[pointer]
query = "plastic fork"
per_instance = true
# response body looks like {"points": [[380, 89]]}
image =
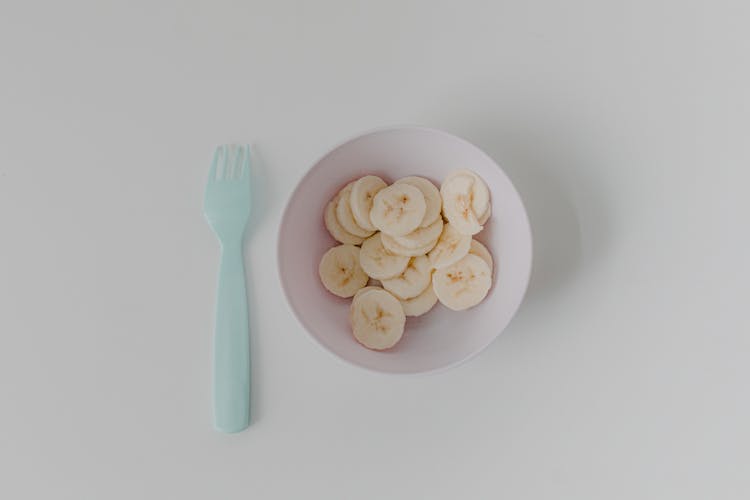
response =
{"points": [[227, 209]]}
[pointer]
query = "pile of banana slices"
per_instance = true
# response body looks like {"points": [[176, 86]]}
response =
{"points": [[416, 241]]}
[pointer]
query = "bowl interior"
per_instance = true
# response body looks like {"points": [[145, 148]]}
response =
{"points": [[440, 338]]}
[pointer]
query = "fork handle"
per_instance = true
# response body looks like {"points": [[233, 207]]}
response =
{"points": [[231, 344]]}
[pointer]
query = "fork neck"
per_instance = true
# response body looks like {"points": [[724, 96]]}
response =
{"points": [[232, 243]]}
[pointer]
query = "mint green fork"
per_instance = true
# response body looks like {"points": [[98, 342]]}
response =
{"points": [[227, 208]]}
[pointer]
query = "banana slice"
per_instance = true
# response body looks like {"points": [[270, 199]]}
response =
{"points": [[413, 281], [485, 216], [464, 284], [457, 193], [398, 209], [345, 216], [378, 262], [377, 319], [481, 251], [480, 196], [422, 236], [365, 289], [431, 197], [337, 231], [420, 304], [451, 247], [340, 271], [363, 192], [393, 246]]}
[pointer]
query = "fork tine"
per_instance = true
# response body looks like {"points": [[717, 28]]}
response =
{"points": [[227, 162], [237, 162], [246, 163], [214, 163]]}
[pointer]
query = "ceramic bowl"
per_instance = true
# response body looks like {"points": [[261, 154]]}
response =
{"points": [[441, 338]]}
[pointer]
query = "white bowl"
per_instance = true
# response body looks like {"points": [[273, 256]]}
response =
{"points": [[441, 338]]}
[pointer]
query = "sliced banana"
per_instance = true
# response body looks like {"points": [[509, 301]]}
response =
{"points": [[451, 247], [377, 319], [363, 192], [463, 284], [340, 271], [378, 262], [411, 256], [481, 251], [420, 304], [367, 288], [337, 231], [398, 209], [345, 216], [413, 281], [421, 236], [397, 248], [431, 197], [485, 216], [457, 193], [480, 195]]}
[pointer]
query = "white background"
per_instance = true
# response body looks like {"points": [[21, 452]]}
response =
{"points": [[624, 125]]}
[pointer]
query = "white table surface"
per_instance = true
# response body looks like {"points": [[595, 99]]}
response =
{"points": [[623, 124]]}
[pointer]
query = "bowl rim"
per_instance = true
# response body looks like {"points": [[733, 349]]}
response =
{"points": [[285, 215]]}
